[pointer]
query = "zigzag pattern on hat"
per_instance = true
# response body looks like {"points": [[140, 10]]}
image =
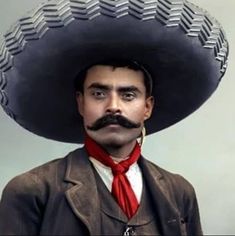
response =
{"points": [[53, 14], [3, 96], [172, 13]]}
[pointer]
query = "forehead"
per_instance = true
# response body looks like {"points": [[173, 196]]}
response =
{"points": [[114, 75]]}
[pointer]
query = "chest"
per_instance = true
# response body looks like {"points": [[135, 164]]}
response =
{"points": [[115, 222]]}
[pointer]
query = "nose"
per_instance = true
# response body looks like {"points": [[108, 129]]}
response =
{"points": [[113, 106]]}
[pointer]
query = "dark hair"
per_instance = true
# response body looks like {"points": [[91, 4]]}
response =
{"points": [[133, 65]]}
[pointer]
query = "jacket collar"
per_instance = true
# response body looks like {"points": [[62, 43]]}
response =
{"points": [[79, 172]]}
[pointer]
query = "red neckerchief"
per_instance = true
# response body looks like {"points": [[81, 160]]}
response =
{"points": [[121, 188]]}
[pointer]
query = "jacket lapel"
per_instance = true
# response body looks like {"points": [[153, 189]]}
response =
{"points": [[168, 215], [84, 200], [83, 195]]}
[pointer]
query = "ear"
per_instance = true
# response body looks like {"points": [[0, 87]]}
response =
{"points": [[80, 102], [149, 104]]}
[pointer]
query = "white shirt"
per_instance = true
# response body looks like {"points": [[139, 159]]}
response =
{"points": [[134, 176]]}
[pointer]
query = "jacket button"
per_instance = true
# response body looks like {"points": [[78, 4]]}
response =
{"points": [[172, 221]]}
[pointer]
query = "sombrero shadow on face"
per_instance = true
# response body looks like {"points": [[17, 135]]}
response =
{"points": [[182, 47]]}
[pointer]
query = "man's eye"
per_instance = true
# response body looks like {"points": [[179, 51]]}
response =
{"points": [[98, 94], [128, 96]]}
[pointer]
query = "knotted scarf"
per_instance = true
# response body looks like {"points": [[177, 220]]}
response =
{"points": [[121, 187]]}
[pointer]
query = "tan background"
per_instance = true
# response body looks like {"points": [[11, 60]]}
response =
{"points": [[201, 148]]}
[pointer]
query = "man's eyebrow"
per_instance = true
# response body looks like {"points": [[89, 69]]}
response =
{"points": [[120, 89], [99, 86], [128, 89]]}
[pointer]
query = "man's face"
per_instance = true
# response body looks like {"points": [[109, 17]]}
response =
{"points": [[109, 93]]}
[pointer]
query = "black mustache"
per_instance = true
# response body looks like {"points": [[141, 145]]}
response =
{"points": [[113, 119]]}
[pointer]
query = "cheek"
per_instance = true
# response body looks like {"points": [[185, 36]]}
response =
{"points": [[137, 112], [88, 115], [140, 111], [91, 114]]}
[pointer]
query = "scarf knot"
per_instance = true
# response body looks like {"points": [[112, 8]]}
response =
{"points": [[118, 169]]}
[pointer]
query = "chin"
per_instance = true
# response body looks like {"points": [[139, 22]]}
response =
{"points": [[112, 141]]}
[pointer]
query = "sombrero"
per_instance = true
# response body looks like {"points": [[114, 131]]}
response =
{"points": [[182, 47]]}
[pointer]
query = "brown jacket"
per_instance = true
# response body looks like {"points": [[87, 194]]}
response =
{"points": [[61, 198]]}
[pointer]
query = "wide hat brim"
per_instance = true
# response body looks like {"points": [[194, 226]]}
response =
{"points": [[183, 48]]}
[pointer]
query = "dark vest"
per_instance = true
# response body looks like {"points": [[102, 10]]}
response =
{"points": [[114, 220]]}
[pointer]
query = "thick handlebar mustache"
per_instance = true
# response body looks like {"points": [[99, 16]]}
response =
{"points": [[113, 119]]}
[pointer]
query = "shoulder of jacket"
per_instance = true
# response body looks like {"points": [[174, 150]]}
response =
{"points": [[38, 179], [174, 181]]}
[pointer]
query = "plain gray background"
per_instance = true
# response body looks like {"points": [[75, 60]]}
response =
{"points": [[201, 147]]}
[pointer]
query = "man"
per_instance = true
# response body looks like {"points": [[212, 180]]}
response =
{"points": [[107, 187], [114, 102]]}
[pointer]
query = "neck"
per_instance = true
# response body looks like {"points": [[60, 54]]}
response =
{"points": [[120, 151]]}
